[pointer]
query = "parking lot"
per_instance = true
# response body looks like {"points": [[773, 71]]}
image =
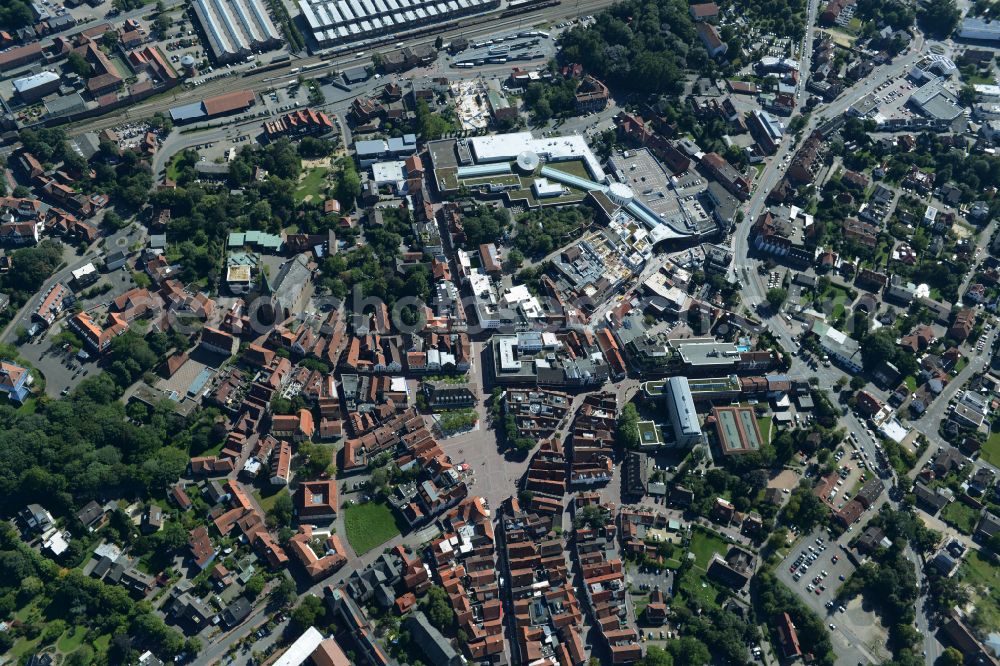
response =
{"points": [[892, 97], [815, 569]]}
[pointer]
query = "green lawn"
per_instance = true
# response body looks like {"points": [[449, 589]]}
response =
{"points": [[985, 576], [693, 584], [172, 172], [28, 406], [704, 545], [212, 451], [71, 640], [369, 525], [23, 647], [764, 424], [991, 449], [572, 167], [314, 184], [911, 383], [960, 516], [269, 495]]}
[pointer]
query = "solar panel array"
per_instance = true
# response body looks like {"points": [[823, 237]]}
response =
{"points": [[341, 21]]}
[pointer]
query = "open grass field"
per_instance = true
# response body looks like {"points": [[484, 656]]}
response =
{"points": [[71, 640], [369, 525], [694, 585], [312, 185], [704, 545]]}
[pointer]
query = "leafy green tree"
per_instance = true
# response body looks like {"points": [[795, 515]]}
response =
{"points": [[77, 64], [254, 586], [776, 296], [437, 606], [938, 18], [285, 592], [281, 511], [877, 348], [656, 656], [950, 657], [628, 427], [307, 612]]}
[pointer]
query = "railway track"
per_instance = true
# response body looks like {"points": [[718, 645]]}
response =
{"points": [[479, 25]]}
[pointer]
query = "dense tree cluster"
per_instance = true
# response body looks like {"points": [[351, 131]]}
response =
{"points": [[15, 14], [543, 230], [880, 347], [804, 509], [372, 267], [128, 182], [641, 45], [938, 18], [485, 224], [47, 144], [553, 99], [66, 598], [628, 427], [34, 266], [437, 605], [784, 18], [433, 124], [890, 585], [82, 447], [722, 631], [893, 13]]}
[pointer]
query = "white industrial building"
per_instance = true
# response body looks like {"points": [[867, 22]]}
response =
{"points": [[980, 29], [335, 22], [236, 28]]}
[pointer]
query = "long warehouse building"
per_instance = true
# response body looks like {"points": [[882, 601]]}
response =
{"points": [[236, 28], [335, 22]]}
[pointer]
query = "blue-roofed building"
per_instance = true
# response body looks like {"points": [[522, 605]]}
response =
{"points": [[680, 409], [14, 381], [370, 151], [404, 145], [187, 113], [258, 240]]}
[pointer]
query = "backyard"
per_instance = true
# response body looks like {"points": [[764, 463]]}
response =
{"points": [[705, 545], [369, 525], [960, 516], [985, 577], [991, 449]]}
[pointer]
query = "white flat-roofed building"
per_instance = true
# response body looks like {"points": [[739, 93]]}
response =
{"points": [[389, 173], [987, 93], [543, 188], [85, 275], [506, 147], [36, 86]]}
